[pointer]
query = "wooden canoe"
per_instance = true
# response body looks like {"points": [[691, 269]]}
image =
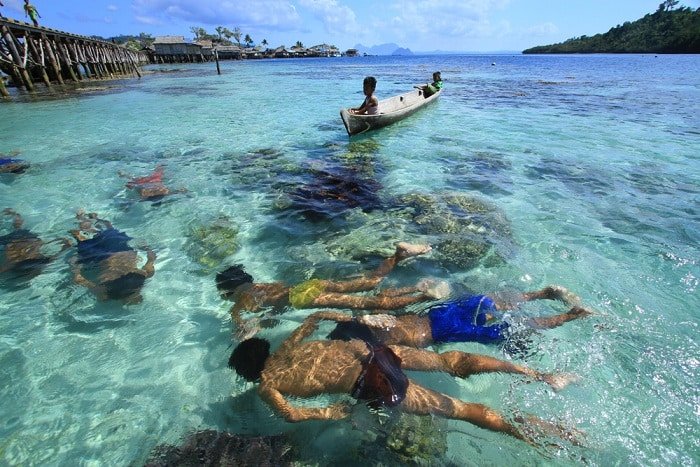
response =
{"points": [[391, 110]]}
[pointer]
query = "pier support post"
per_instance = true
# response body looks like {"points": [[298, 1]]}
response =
{"points": [[11, 43]]}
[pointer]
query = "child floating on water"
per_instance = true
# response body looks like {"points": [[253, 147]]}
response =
{"points": [[237, 285]]}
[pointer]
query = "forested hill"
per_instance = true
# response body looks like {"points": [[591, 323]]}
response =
{"points": [[667, 30]]}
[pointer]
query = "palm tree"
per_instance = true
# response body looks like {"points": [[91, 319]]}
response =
{"points": [[299, 45], [227, 34], [146, 40], [237, 35], [220, 32], [195, 30], [264, 43], [248, 41]]}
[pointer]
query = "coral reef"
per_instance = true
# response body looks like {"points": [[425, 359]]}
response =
{"points": [[214, 448], [406, 439], [211, 244]]}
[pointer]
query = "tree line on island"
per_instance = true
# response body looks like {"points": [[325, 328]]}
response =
{"points": [[223, 36], [671, 29]]}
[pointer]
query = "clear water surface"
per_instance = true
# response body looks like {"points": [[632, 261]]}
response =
{"points": [[592, 160]]}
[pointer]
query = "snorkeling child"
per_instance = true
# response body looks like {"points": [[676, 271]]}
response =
{"points": [[237, 285], [370, 106], [105, 249], [371, 372], [467, 319]]}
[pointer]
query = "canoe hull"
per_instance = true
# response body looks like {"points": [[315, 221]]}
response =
{"points": [[397, 108]]}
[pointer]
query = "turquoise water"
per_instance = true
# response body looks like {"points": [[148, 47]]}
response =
{"points": [[590, 166]]}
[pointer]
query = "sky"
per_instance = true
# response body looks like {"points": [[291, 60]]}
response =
{"points": [[420, 25]]}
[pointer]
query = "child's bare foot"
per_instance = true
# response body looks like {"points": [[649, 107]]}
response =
{"points": [[435, 289], [406, 250], [561, 380]]}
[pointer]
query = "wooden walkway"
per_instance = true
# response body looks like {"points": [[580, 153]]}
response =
{"points": [[31, 55]]}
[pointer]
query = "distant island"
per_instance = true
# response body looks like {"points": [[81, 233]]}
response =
{"points": [[668, 30], [382, 49]]}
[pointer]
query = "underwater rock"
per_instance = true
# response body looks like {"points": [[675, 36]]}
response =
{"points": [[333, 191], [466, 229], [261, 167], [408, 439], [463, 230], [214, 448], [370, 235], [211, 244]]}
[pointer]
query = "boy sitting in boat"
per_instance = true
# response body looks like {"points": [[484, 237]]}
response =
{"points": [[435, 86], [371, 104]]}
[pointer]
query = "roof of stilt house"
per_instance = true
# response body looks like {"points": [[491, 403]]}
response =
{"points": [[169, 40]]}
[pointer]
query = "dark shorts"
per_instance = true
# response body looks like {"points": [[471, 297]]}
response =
{"points": [[381, 383], [103, 245]]}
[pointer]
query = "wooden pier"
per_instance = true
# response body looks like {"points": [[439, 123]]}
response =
{"points": [[31, 55]]}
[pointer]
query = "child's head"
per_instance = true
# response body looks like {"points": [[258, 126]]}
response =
{"points": [[436, 76], [369, 84]]}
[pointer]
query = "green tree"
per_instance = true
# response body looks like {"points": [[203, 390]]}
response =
{"points": [[264, 43], [196, 31], [248, 41], [299, 45], [145, 40], [237, 35], [220, 32], [668, 5], [668, 30]]}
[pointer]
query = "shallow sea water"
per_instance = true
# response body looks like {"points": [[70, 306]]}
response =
{"points": [[592, 160]]}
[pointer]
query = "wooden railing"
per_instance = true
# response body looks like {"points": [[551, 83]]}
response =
{"points": [[30, 55]]}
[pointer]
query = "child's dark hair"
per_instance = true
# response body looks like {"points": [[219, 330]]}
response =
{"points": [[232, 277], [370, 81], [124, 286], [248, 358]]}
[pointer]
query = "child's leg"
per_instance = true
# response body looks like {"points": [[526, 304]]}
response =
{"points": [[371, 280], [377, 302]]}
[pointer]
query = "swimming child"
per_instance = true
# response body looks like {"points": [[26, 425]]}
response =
{"points": [[13, 166], [468, 319], [370, 371], [237, 285], [104, 250], [151, 187], [23, 255]]}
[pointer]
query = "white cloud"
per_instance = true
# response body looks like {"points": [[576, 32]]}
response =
{"points": [[432, 19], [149, 20], [277, 14], [544, 29], [336, 18], [443, 24], [112, 8]]}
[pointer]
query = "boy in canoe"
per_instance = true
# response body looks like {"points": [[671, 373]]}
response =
{"points": [[371, 104], [435, 86]]}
